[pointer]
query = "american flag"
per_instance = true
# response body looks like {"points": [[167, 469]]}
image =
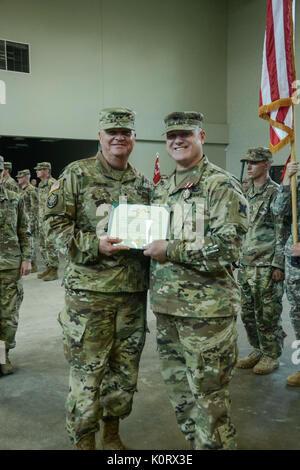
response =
{"points": [[278, 73]]}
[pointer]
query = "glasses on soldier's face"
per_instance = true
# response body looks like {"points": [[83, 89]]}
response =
{"points": [[123, 132], [181, 134]]}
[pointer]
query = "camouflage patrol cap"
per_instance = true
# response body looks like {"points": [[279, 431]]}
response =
{"points": [[183, 120], [258, 154], [7, 165], [43, 166], [22, 173], [1, 163], [111, 118]]}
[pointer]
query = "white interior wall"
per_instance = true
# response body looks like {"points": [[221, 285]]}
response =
{"points": [[155, 57]]}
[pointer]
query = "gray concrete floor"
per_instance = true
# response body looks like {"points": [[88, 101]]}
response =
{"points": [[265, 411]]}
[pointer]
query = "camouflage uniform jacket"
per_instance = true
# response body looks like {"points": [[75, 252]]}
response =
{"points": [[15, 237], [196, 280], [282, 206], [43, 191], [264, 242], [10, 184], [77, 214], [31, 201]]}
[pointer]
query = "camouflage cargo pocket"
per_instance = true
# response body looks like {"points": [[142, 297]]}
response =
{"points": [[217, 358], [73, 331]]}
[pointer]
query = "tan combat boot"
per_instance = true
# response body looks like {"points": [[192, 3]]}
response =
{"points": [[109, 435], [266, 365], [87, 442], [51, 275], [34, 268], [44, 273], [7, 368], [249, 361], [294, 379]]}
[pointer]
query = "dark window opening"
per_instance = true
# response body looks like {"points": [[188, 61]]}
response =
{"points": [[14, 56]]}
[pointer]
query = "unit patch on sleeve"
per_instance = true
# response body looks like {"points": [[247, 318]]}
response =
{"points": [[52, 200]]}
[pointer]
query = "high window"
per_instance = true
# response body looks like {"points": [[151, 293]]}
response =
{"points": [[14, 56]]}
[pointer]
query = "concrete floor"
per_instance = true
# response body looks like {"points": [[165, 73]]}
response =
{"points": [[265, 411]]}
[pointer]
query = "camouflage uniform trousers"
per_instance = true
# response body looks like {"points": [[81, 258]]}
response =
{"points": [[103, 335], [261, 300], [48, 251], [292, 284], [197, 359], [11, 296]]}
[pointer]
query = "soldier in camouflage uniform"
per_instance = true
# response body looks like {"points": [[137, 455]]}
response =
{"points": [[31, 201], [15, 255], [106, 284], [8, 181], [193, 292], [261, 271], [282, 205], [48, 249]]}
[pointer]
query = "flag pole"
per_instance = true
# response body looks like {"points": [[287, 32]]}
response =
{"points": [[294, 192]]}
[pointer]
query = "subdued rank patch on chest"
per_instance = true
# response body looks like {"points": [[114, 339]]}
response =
{"points": [[52, 200], [242, 209]]}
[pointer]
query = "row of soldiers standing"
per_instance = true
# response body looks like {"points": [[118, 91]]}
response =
{"points": [[22, 208], [35, 203], [265, 265]]}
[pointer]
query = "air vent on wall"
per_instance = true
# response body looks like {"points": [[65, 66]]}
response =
{"points": [[14, 56]]}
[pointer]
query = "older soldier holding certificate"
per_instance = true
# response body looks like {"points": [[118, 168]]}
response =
{"points": [[194, 295], [106, 284]]}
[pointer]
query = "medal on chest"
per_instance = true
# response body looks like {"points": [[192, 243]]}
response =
{"points": [[186, 193]]}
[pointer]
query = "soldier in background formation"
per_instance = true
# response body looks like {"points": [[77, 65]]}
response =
{"points": [[283, 206], [8, 181], [104, 318], [29, 194], [15, 257], [261, 272], [194, 295], [48, 249]]}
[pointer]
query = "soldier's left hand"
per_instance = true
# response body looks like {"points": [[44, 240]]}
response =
{"points": [[157, 250], [278, 275], [25, 268], [296, 249]]}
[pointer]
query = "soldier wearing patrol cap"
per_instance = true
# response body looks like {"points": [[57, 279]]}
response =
{"points": [[261, 272], [103, 320], [31, 201], [48, 250], [282, 206], [15, 256], [193, 293], [8, 181]]}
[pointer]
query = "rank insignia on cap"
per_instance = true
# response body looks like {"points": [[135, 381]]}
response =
{"points": [[52, 200], [55, 186]]}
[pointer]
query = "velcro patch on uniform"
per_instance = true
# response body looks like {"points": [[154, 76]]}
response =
{"points": [[55, 186], [52, 200]]}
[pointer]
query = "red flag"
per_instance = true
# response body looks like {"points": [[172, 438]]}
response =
{"points": [[284, 170], [156, 176], [278, 73]]}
